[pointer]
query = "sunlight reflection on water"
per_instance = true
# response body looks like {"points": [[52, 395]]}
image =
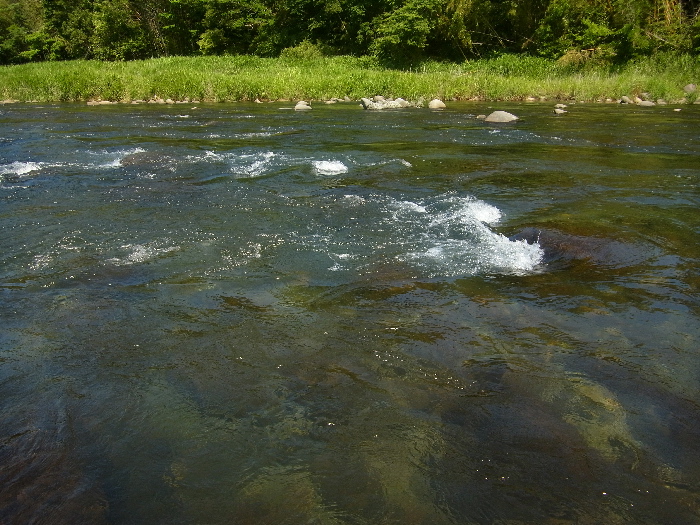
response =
{"points": [[347, 317]]}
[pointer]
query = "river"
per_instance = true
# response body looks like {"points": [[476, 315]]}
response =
{"points": [[239, 313]]}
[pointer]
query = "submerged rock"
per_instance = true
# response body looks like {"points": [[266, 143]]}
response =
{"points": [[561, 249], [302, 105], [560, 111], [501, 116]]}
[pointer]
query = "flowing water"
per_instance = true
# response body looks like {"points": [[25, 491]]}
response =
{"points": [[243, 314]]}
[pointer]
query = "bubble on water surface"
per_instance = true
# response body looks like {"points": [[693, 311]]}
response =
{"points": [[329, 167]]}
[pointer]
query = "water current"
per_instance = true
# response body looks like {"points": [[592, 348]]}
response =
{"points": [[243, 314]]}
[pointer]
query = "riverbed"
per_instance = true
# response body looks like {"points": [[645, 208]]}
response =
{"points": [[242, 313]]}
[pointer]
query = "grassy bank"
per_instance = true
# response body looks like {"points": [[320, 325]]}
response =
{"points": [[238, 78]]}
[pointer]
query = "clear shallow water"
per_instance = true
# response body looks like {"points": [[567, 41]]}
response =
{"points": [[246, 314]]}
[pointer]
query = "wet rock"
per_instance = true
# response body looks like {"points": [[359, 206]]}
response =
{"points": [[562, 249], [436, 103], [560, 111], [560, 106], [501, 116], [481, 117], [384, 104], [302, 105]]}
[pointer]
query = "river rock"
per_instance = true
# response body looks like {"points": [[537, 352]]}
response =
{"points": [[624, 99], [560, 106], [560, 111], [302, 105], [646, 103], [690, 88], [562, 249], [384, 104], [436, 103], [501, 116]]}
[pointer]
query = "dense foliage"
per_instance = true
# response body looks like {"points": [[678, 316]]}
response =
{"points": [[399, 32]]}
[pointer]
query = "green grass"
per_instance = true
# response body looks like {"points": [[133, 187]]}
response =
{"points": [[241, 78]]}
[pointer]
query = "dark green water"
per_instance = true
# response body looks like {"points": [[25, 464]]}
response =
{"points": [[242, 314]]}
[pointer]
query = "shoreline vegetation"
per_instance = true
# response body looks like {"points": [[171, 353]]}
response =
{"points": [[663, 77]]}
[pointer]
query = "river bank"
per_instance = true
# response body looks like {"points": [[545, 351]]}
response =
{"points": [[247, 78]]}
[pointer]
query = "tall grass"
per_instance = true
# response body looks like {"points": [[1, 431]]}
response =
{"points": [[240, 78]]}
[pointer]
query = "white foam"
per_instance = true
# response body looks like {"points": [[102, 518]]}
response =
{"points": [[20, 168], [254, 165], [482, 211], [140, 253], [116, 157], [407, 206], [450, 235], [354, 200], [329, 167]]}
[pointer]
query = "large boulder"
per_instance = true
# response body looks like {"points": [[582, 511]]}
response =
{"points": [[501, 116]]}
